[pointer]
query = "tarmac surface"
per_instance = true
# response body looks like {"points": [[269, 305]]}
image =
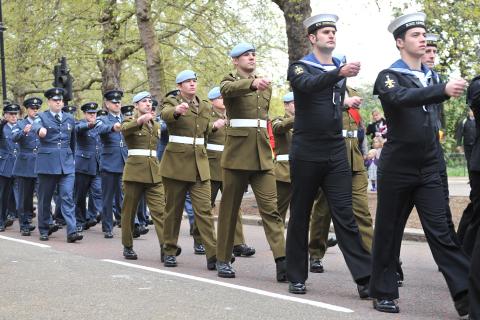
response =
{"points": [[91, 280]]}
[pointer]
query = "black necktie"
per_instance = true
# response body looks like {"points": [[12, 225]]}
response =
{"points": [[57, 117]]}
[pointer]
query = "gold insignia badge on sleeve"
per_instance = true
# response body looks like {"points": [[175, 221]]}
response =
{"points": [[389, 83], [298, 70]]}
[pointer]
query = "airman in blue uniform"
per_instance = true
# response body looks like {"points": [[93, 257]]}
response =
{"points": [[112, 160], [55, 163], [87, 163], [7, 159], [24, 167]]}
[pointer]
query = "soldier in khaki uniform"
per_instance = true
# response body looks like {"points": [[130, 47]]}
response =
{"points": [[282, 129], [141, 174], [321, 214], [184, 166], [247, 158], [215, 145]]}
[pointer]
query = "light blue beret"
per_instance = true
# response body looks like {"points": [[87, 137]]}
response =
{"points": [[214, 93], [288, 97], [185, 75], [240, 49], [141, 95]]}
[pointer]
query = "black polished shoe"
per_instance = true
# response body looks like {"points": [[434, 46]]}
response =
{"points": [[225, 270], [74, 237], [399, 280], [90, 224], [170, 261], [118, 223], [9, 221], [136, 232], [43, 237], [143, 230], [462, 304], [25, 232], [52, 228], [316, 265], [332, 242], [129, 254], [31, 227], [79, 229], [162, 254], [150, 222], [212, 263], [242, 250], [108, 235], [198, 248], [363, 290], [297, 288], [281, 266], [384, 305]]}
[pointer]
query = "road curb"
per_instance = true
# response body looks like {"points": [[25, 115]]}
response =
{"points": [[410, 234]]}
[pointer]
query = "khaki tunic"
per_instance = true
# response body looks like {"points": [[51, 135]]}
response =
{"points": [[282, 131], [254, 142], [216, 137], [181, 161]]}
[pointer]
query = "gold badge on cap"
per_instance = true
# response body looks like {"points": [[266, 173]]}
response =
{"points": [[298, 70], [389, 83]]}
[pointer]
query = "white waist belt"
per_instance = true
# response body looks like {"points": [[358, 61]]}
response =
{"points": [[186, 140], [142, 152], [214, 147], [350, 134], [282, 157], [248, 123]]}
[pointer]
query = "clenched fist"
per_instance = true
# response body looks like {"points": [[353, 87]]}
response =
{"points": [[261, 84], [455, 88], [182, 108], [42, 132], [350, 69]]}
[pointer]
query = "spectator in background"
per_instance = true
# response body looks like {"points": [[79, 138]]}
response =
{"points": [[465, 135], [378, 128]]}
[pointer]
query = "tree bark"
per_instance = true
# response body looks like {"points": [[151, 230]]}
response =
{"points": [[154, 61], [294, 12]]}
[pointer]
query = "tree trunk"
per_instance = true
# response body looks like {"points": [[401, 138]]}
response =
{"points": [[294, 12], [155, 67], [111, 65]]}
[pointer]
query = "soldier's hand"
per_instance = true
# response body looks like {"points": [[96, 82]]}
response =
{"points": [[353, 102], [145, 118], [117, 127], [27, 128], [349, 70], [455, 88], [261, 84], [42, 132], [182, 108], [219, 123]]}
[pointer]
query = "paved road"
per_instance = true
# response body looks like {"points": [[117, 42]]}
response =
{"points": [[91, 280]]}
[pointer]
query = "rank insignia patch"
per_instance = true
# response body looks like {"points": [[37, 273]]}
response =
{"points": [[389, 83], [298, 70]]}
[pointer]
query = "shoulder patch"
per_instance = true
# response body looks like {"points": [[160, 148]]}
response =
{"points": [[298, 70], [389, 83]]}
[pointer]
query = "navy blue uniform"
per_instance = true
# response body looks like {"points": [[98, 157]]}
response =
{"points": [[318, 158], [112, 160], [55, 167], [87, 166], [24, 169], [408, 173], [7, 159]]}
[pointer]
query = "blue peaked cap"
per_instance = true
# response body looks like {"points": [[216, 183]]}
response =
{"points": [[214, 93], [185, 75], [240, 49]]}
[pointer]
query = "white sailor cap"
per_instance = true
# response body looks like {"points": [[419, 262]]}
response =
{"points": [[320, 21], [432, 39], [407, 21]]}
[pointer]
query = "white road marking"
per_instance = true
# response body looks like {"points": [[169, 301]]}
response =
{"points": [[234, 286], [41, 245]]}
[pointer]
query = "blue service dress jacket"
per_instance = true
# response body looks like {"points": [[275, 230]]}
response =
{"points": [[114, 149], [27, 150], [55, 154], [8, 150], [88, 148]]}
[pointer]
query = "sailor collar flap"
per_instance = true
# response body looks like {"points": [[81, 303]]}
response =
{"points": [[401, 67]]}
